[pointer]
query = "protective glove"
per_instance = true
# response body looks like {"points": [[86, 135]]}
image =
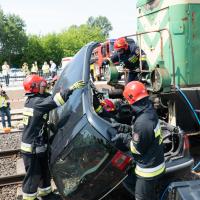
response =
{"points": [[122, 128], [77, 85], [125, 138]]}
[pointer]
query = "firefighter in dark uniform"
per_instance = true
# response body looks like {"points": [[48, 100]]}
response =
{"points": [[34, 143], [128, 55], [144, 141]]}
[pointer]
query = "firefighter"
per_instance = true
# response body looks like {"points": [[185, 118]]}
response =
{"points": [[34, 138], [128, 55], [144, 141]]}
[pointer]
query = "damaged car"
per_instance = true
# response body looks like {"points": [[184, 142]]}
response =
{"points": [[84, 163]]}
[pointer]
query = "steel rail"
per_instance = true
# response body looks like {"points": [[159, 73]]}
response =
{"points": [[11, 180], [11, 152]]}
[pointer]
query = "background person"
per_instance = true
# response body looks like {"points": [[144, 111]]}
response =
{"points": [[34, 69], [5, 72], [25, 69], [4, 108], [45, 70], [53, 69]]}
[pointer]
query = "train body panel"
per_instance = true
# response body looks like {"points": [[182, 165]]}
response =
{"points": [[177, 21]]}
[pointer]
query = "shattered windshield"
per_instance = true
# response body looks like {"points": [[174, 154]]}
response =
{"points": [[78, 161]]}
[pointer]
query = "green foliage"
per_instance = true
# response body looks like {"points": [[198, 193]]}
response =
{"points": [[13, 37], [76, 37], [16, 47], [53, 48], [102, 22], [33, 51]]}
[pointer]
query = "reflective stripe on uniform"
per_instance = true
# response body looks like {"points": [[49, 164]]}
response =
{"points": [[26, 147], [157, 130], [58, 99], [150, 172], [44, 191], [28, 111], [29, 196], [133, 59], [99, 109], [133, 149], [143, 58], [158, 133], [45, 116]]}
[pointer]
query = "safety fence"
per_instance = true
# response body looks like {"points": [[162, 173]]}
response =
{"points": [[18, 79]]}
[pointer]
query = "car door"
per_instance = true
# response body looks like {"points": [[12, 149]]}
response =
{"points": [[84, 163]]}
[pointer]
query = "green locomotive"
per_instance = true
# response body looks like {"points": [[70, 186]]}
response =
{"points": [[169, 33]]}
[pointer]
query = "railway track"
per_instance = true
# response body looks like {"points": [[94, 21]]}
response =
{"points": [[8, 162], [11, 180], [10, 141], [8, 153]]}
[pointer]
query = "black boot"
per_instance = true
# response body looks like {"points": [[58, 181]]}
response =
{"points": [[51, 196]]}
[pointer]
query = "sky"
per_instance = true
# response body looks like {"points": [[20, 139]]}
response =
{"points": [[48, 16]]}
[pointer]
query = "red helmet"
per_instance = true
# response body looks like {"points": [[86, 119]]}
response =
{"points": [[120, 43], [134, 91], [33, 82], [108, 105]]}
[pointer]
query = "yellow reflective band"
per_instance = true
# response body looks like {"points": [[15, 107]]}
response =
{"points": [[157, 130], [133, 149], [44, 191], [143, 59], [28, 111], [58, 99], [29, 196], [99, 109], [26, 147], [25, 120], [150, 172], [158, 133], [133, 59]]}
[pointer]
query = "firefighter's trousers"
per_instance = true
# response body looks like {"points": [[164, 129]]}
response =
{"points": [[37, 174], [143, 189]]}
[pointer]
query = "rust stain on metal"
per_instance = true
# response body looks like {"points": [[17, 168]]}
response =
{"points": [[193, 24], [185, 19], [193, 17]]}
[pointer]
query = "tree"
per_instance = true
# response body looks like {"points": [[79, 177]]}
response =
{"points": [[12, 38], [102, 22], [53, 48], [34, 51], [76, 37], [1, 29]]}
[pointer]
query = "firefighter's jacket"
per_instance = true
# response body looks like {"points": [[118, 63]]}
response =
{"points": [[35, 114], [131, 58], [146, 143]]}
